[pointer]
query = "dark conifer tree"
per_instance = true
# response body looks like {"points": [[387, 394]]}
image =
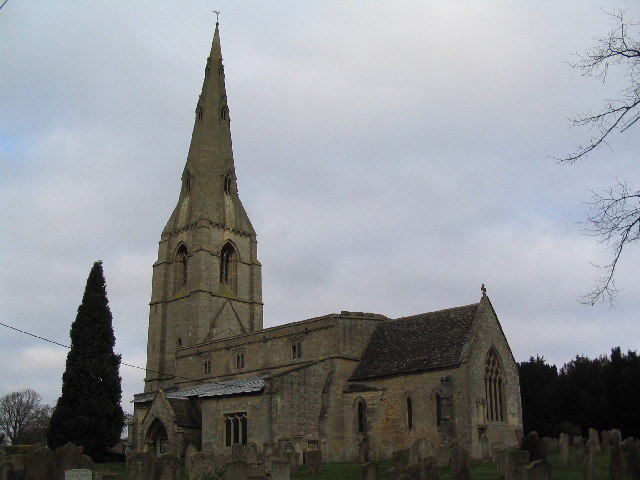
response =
{"points": [[88, 412]]}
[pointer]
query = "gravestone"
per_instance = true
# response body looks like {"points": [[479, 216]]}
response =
{"points": [[237, 470], [255, 470], [191, 450], [401, 458], [70, 457], [40, 465], [533, 444], [167, 468], [13, 467], [564, 450], [7, 471], [420, 449], [141, 466], [252, 452], [238, 453], [538, 470], [459, 463], [595, 440], [202, 466], [616, 459], [632, 459], [605, 440], [484, 445], [510, 463], [280, 470], [443, 456], [370, 471], [78, 474], [208, 447], [587, 466], [314, 461], [579, 444]]}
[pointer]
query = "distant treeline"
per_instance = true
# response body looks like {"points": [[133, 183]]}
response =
{"points": [[602, 393]]}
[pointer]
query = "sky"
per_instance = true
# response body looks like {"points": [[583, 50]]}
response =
{"points": [[392, 156]]}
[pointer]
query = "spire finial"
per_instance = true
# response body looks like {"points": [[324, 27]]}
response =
{"points": [[483, 289], [217, 12]]}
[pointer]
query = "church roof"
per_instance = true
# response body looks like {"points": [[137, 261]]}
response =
{"points": [[427, 341], [186, 411], [215, 389]]}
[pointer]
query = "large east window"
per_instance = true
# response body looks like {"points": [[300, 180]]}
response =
{"points": [[235, 428], [494, 387]]}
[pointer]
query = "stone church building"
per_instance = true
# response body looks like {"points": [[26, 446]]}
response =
{"points": [[345, 382]]}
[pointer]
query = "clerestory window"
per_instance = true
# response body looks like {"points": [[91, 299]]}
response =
{"points": [[235, 428], [494, 387], [206, 367], [239, 361]]}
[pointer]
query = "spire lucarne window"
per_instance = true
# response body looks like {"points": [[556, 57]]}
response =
{"points": [[493, 384]]}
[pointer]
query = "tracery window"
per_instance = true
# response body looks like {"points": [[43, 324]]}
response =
{"points": [[494, 387], [228, 260], [409, 413], [181, 266], [235, 428]]}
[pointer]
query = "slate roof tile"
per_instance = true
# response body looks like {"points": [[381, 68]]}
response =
{"points": [[421, 342]]}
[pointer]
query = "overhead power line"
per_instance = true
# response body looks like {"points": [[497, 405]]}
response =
{"points": [[67, 346]]}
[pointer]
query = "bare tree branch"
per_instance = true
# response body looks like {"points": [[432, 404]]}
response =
{"points": [[18, 412], [615, 214]]}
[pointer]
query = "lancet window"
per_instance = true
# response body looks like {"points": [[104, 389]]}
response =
{"points": [[362, 416], [181, 267], [409, 413], [296, 350], [494, 387], [228, 262]]}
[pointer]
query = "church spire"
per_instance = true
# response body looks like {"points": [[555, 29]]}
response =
{"points": [[209, 173]]}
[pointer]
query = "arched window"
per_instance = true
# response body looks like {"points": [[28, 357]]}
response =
{"points": [[239, 361], [438, 409], [228, 261], [181, 267], [493, 385], [186, 183], [409, 413], [362, 416], [296, 350], [224, 113]]}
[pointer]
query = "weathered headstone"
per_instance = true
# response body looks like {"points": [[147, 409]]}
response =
{"points": [[69, 457], [191, 450], [616, 460], [237, 470], [484, 446], [255, 471], [168, 467], [587, 466], [40, 465], [252, 452], [202, 466], [141, 466], [280, 470], [595, 439], [510, 463], [78, 474], [13, 467], [564, 450], [579, 444], [459, 463], [632, 458], [538, 470], [314, 461], [533, 444], [420, 449], [443, 456], [370, 471], [238, 453]]}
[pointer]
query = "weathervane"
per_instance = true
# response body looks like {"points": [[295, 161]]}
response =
{"points": [[217, 12]]}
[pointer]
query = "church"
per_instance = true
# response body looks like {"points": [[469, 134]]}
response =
{"points": [[352, 384]]}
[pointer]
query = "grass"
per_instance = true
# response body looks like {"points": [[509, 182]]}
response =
{"points": [[480, 470]]}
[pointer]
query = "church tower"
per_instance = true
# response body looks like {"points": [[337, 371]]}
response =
{"points": [[207, 280]]}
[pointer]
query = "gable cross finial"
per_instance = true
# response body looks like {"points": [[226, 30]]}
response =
{"points": [[483, 289], [217, 12]]}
